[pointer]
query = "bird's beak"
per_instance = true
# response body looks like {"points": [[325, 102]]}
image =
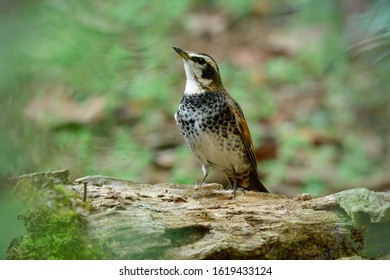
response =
{"points": [[182, 53]]}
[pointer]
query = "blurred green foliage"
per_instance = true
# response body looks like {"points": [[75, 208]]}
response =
{"points": [[121, 50], [375, 24], [109, 49], [11, 227]]}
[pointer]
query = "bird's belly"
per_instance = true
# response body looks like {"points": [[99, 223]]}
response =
{"points": [[223, 153]]}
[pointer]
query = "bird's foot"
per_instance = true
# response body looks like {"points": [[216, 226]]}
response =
{"points": [[198, 185], [235, 191]]}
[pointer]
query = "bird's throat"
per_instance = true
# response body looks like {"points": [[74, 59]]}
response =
{"points": [[196, 87]]}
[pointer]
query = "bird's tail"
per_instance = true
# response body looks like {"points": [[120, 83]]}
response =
{"points": [[252, 182], [255, 183]]}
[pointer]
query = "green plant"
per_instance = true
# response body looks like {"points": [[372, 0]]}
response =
{"points": [[54, 230]]}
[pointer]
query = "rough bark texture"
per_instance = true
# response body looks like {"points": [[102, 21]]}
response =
{"points": [[169, 221]]}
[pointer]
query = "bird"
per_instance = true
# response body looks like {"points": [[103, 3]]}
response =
{"points": [[214, 126]]}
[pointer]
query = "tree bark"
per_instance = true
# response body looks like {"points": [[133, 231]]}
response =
{"points": [[170, 221]]}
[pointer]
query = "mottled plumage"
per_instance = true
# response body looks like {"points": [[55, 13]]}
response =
{"points": [[214, 125]]}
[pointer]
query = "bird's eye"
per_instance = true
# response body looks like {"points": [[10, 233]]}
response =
{"points": [[199, 60]]}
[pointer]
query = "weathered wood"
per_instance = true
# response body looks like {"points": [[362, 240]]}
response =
{"points": [[169, 221]]}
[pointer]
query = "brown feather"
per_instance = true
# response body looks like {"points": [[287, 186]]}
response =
{"points": [[254, 179]]}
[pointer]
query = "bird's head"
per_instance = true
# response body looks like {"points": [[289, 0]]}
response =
{"points": [[202, 72]]}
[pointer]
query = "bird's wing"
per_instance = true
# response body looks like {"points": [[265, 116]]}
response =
{"points": [[243, 130]]}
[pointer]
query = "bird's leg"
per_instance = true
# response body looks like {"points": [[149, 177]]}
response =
{"points": [[205, 170], [234, 184], [228, 180]]}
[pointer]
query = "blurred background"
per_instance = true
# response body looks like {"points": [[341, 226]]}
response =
{"points": [[92, 86]]}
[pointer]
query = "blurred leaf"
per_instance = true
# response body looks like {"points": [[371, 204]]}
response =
{"points": [[374, 31], [284, 71]]}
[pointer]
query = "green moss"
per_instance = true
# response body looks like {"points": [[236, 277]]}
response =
{"points": [[54, 230]]}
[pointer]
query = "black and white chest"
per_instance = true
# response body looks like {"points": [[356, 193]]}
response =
{"points": [[204, 113]]}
